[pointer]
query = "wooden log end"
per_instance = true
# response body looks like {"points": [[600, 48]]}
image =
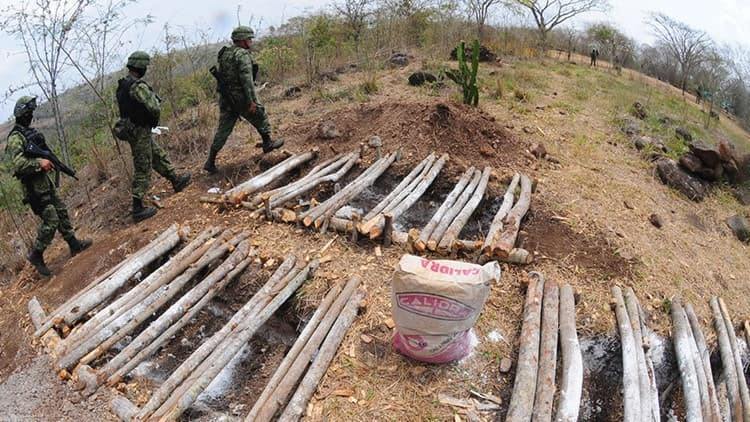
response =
{"points": [[307, 221], [375, 233], [420, 245], [431, 245], [123, 408]]}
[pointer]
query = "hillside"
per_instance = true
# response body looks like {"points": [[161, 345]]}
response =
{"points": [[588, 226]]}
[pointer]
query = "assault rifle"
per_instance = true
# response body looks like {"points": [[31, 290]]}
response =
{"points": [[33, 150]]}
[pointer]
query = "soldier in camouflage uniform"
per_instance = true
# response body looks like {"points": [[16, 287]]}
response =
{"points": [[39, 191], [237, 95], [141, 106]]}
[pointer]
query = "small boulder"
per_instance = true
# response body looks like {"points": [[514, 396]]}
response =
{"points": [[505, 365], [398, 59], [740, 227], [328, 130], [656, 220], [676, 178], [641, 142], [708, 154], [420, 78], [683, 134], [742, 194], [630, 126], [292, 92], [539, 151], [665, 120], [690, 162], [375, 141]]}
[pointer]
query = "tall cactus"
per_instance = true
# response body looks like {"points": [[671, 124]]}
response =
{"points": [[465, 77]]}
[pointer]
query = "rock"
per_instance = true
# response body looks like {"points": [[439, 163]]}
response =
{"points": [[665, 120], [641, 142], [742, 194], [375, 141], [638, 111], [740, 227], [676, 178], [628, 205], [656, 220], [505, 365], [485, 55], [710, 174], [708, 154], [328, 130], [398, 59], [690, 162], [420, 78], [528, 130], [292, 92], [630, 126], [541, 106], [539, 151], [683, 134]]}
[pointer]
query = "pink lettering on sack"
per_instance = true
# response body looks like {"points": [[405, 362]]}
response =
{"points": [[439, 268], [433, 306]]}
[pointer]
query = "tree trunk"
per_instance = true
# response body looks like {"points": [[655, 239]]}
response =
{"points": [[497, 222], [571, 384], [374, 227], [292, 356], [421, 243], [630, 379], [239, 193], [727, 362], [705, 361], [451, 213], [686, 362], [524, 386], [545, 389], [445, 245], [505, 240], [644, 383], [234, 326], [297, 368], [323, 359], [197, 382]]}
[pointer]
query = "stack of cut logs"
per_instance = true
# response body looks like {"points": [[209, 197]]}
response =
{"points": [[548, 309], [441, 234]]}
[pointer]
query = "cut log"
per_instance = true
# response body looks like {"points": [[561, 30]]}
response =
{"points": [[524, 385], [234, 326], [240, 192], [74, 309], [140, 348], [453, 211], [50, 339], [323, 359], [571, 384], [630, 381], [445, 245], [545, 388], [194, 385], [727, 362], [408, 183], [164, 274], [329, 207], [421, 243], [291, 356], [644, 384], [704, 356], [686, 362], [497, 222], [123, 408], [740, 370], [307, 353], [505, 240], [705, 397], [374, 227]]}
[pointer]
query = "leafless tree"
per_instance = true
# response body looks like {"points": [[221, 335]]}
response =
{"points": [[45, 29], [548, 14], [355, 14], [479, 10], [686, 45]]}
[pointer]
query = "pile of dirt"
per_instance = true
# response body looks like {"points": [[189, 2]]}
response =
{"points": [[468, 134]]}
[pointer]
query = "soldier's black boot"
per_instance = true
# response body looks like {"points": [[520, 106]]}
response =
{"points": [[140, 212], [77, 245], [210, 165], [181, 182], [36, 258], [269, 145]]}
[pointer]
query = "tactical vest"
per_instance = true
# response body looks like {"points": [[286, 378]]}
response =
{"points": [[132, 109], [29, 135]]}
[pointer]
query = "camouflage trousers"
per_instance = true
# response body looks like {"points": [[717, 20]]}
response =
{"points": [[54, 215], [228, 118], [147, 154]]}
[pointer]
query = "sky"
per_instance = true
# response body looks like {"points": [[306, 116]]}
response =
{"points": [[726, 21]]}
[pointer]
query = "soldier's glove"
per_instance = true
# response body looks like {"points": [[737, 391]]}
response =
{"points": [[46, 164], [252, 108]]}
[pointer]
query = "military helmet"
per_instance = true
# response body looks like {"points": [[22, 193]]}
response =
{"points": [[139, 60], [24, 105], [242, 33]]}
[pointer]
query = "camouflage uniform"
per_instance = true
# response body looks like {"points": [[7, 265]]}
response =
{"points": [[39, 191], [147, 154]]}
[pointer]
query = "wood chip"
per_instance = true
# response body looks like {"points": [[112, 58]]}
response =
{"points": [[343, 392], [454, 402], [389, 323], [378, 251], [486, 396], [365, 338]]}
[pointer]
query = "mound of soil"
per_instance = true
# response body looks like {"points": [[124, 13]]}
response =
{"points": [[467, 133]]}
